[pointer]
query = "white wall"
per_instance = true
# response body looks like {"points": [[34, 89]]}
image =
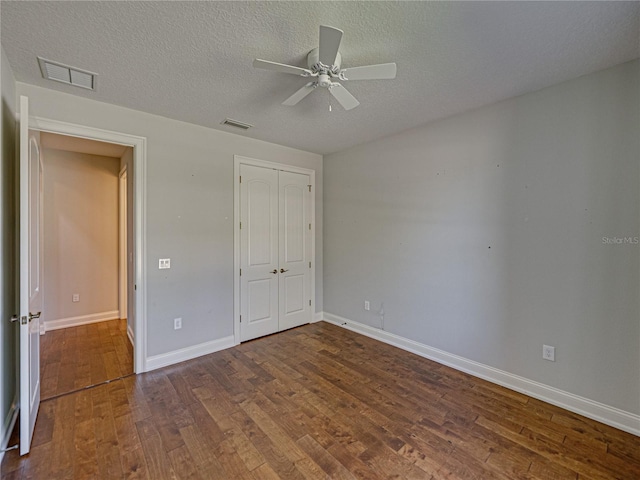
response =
{"points": [[483, 235], [189, 212], [8, 225], [80, 237]]}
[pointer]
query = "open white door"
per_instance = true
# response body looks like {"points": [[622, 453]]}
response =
{"points": [[30, 277]]}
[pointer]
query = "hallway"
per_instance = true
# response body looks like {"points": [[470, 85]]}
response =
{"points": [[77, 357]]}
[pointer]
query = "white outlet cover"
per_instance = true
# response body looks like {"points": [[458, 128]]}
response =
{"points": [[367, 305], [164, 263], [177, 323], [549, 353], [75, 297]]}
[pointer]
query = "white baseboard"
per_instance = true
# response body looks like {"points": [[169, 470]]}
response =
{"points": [[130, 335], [177, 356], [81, 320], [317, 317], [629, 422], [8, 424]]}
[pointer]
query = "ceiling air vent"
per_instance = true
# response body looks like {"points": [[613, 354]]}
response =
{"points": [[65, 74], [237, 124]]}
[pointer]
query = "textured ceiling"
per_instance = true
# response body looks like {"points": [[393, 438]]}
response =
{"points": [[192, 60]]}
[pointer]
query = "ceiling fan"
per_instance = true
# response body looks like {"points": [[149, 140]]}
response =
{"points": [[324, 65]]}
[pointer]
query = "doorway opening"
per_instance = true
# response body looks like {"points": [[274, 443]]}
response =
{"points": [[86, 330], [136, 183], [31, 286]]}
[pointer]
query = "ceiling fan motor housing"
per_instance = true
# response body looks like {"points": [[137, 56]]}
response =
{"points": [[313, 61]]}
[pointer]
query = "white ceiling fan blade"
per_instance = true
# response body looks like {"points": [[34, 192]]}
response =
{"points": [[343, 96], [300, 94], [330, 39], [281, 67], [382, 71]]}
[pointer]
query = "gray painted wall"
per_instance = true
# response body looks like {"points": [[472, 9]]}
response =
{"points": [[8, 225], [189, 212], [483, 235]]}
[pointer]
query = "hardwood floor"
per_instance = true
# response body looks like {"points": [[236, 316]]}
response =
{"points": [[316, 402], [77, 357]]}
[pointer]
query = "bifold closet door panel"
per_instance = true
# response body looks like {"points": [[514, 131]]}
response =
{"points": [[258, 252], [294, 250]]}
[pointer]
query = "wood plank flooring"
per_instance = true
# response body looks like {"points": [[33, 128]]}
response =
{"points": [[316, 402], [77, 357]]}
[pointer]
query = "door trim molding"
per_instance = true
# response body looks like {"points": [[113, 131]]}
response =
{"points": [[123, 279], [240, 160], [139, 145], [9, 423]]}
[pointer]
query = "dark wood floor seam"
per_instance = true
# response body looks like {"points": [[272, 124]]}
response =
{"points": [[86, 388]]}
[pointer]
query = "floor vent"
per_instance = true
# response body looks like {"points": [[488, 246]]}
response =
{"points": [[237, 124], [59, 72]]}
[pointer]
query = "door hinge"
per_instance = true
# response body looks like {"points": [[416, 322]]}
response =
{"points": [[240, 318], [309, 187], [309, 302], [135, 287], [240, 225], [240, 178], [309, 226], [240, 272], [309, 264]]}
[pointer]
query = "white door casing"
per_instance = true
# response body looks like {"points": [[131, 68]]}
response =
{"points": [[30, 276], [122, 245], [272, 293], [137, 175]]}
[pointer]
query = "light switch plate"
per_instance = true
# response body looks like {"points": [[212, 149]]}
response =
{"points": [[164, 263]]}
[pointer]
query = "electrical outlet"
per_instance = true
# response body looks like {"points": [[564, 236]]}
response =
{"points": [[164, 263], [367, 305], [75, 298], [177, 323], [549, 353]]}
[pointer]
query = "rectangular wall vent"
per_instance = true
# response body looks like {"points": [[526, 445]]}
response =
{"points": [[237, 124], [59, 72]]}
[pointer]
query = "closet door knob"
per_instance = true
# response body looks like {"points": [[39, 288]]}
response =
{"points": [[282, 270], [274, 271]]}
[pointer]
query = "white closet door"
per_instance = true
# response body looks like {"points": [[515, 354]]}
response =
{"points": [[295, 250], [258, 252]]}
